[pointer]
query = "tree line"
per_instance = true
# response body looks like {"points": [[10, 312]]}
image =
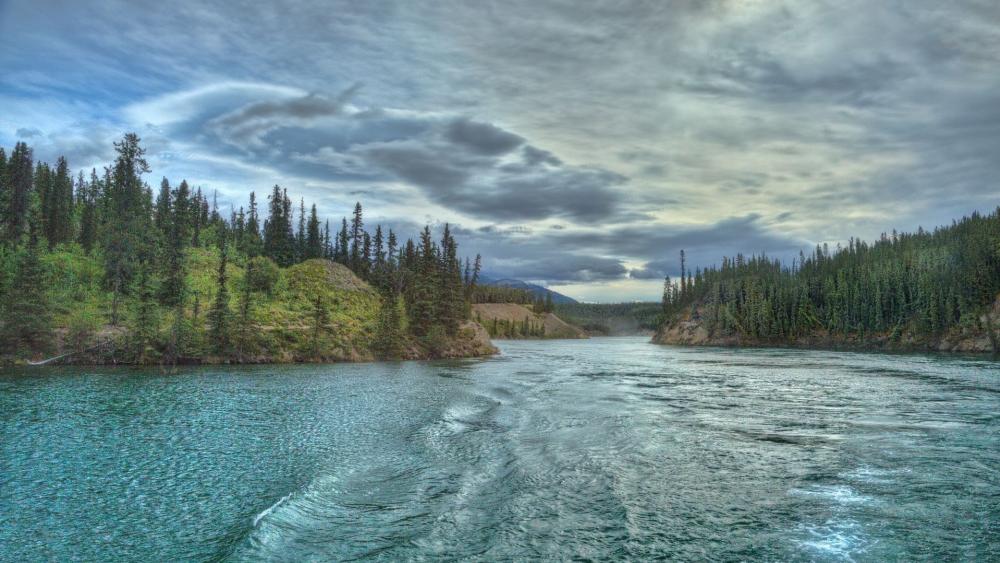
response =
{"points": [[143, 239], [922, 283]]}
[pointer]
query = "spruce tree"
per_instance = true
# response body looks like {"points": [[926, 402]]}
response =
{"points": [[27, 317], [174, 285], [389, 340], [357, 231], [88, 214], [219, 316], [252, 229], [19, 187], [422, 300], [246, 328], [145, 323], [314, 243], [126, 233], [162, 206]]}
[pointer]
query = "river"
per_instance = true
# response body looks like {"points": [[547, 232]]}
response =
{"points": [[609, 448]]}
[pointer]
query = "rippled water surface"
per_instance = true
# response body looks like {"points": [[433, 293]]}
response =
{"points": [[601, 449]]}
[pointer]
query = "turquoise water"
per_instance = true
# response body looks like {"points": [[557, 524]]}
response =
{"points": [[600, 449]]}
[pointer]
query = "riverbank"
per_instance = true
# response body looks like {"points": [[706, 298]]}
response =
{"points": [[470, 341], [692, 330], [518, 322], [317, 311]]}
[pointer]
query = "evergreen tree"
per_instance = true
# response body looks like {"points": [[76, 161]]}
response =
{"points": [[451, 302], [421, 300], [357, 230], [145, 324], [58, 205], [19, 188], [246, 328], [342, 254], [219, 316], [88, 214], [127, 230], [162, 206], [253, 245], [27, 317], [314, 243], [173, 288], [389, 339], [301, 252]]}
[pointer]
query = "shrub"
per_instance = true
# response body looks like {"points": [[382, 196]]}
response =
{"points": [[262, 274]]}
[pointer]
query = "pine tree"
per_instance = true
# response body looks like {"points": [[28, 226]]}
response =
{"points": [[145, 325], [342, 254], [27, 318], [252, 229], [357, 231], [421, 300], [314, 244], [174, 285], [19, 186], [301, 252], [88, 213], [219, 316], [126, 232], [163, 212], [246, 328], [58, 204], [451, 304]]}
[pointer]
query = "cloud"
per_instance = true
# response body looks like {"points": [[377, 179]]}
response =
{"points": [[457, 162], [249, 123], [28, 132], [482, 138], [636, 127]]}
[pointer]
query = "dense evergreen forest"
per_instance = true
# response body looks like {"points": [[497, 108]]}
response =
{"points": [[905, 286], [612, 319], [164, 276]]}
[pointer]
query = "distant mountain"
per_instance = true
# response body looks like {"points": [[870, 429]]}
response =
{"points": [[557, 298]]}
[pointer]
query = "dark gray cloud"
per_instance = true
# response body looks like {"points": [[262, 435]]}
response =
{"points": [[460, 163], [482, 138], [534, 156]]}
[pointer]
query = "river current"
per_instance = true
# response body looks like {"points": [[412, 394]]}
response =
{"points": [[609, 448]]}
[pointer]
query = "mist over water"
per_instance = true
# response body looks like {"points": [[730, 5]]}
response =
{"points": [[603, 449]]}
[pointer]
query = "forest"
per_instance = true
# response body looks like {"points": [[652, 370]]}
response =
{"points": [[904, 286], [164, 277], [613, 319]]}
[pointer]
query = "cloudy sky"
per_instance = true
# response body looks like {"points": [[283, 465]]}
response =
{"points": [[576, 144]]}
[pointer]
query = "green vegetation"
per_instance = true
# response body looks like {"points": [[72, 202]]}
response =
{"points": [[609, 319], [920, 286], [113, 275], [528, 327]]}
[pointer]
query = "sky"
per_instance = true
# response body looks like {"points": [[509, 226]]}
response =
{"points": [[580, 145]]}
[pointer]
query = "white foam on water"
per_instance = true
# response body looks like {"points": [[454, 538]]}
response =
{"points": [[841, 494], [867, 474], [270, 509], [838, 539]]}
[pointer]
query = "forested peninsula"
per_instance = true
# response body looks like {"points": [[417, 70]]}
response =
{"points": [[98, 268], [925, 291]]}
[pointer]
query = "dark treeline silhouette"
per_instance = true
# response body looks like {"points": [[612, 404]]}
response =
{"points": [[922, 283], [143, 241]]}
